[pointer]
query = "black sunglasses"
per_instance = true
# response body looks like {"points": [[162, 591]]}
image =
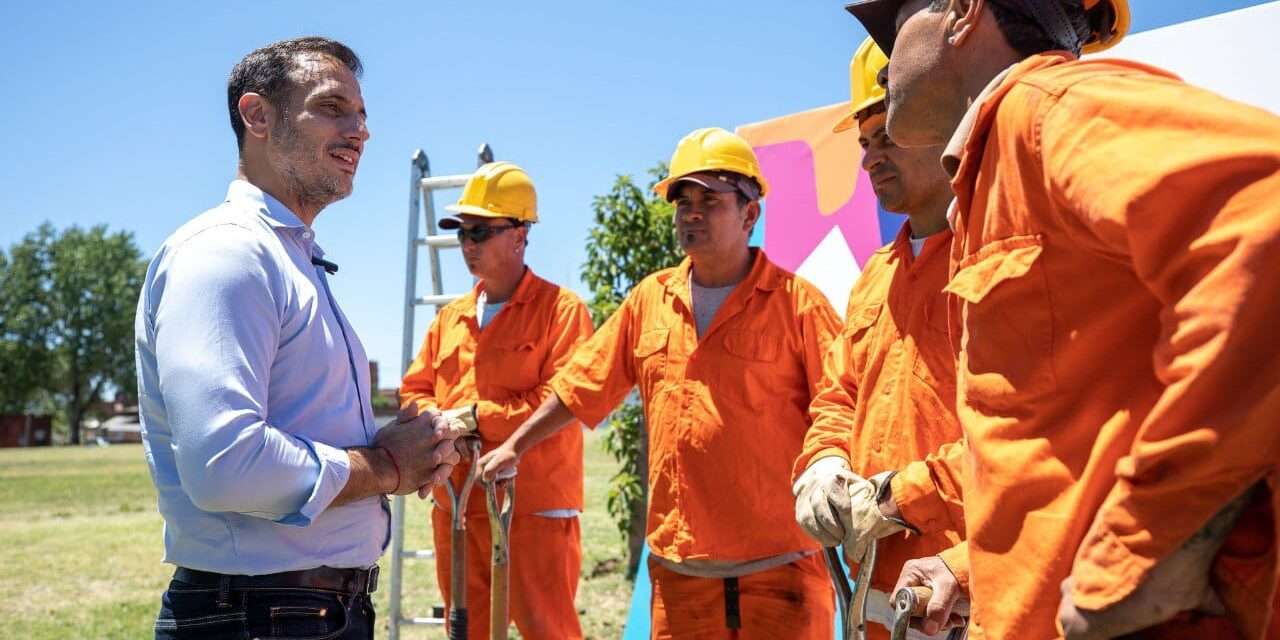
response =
{"points": [[481, 233]]}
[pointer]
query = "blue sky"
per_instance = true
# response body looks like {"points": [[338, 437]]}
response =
{"points": [[116, 112]]}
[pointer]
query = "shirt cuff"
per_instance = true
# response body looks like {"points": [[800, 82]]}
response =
{"points": [[569, 398], [335, 469], [957, 560], [918, 500], [1105, 571]]}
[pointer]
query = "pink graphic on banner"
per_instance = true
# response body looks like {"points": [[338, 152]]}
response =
{"points": [[794, 222]]}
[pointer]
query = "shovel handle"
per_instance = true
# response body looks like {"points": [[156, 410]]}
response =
{"points": [[499, 600], [911, 602]]}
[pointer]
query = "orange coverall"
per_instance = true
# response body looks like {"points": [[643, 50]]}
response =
{"points": [[1115, 267], [887, 396], [726, 416], [504, 369]]}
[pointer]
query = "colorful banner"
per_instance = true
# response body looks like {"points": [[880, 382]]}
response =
{"points": [[821, 216]]}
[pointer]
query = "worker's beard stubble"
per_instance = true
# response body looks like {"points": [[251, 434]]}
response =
{"points": [[299, 162]]}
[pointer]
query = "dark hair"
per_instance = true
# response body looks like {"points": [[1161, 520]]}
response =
{"points": [[1024, 34], [879, 107], [266, 72]]}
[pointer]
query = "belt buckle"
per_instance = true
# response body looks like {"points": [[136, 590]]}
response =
{"points": [[371, 582]]}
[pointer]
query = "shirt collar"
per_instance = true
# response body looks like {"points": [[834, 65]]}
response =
{"points": [[955, 147], [764, 275], [932, 242], [524, 292], [273, 212]]}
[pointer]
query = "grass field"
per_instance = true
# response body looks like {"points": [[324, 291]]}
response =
{"points": [[82, 548]]}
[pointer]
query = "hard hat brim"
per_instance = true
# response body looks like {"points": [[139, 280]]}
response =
{"points": [[482, 212], [474, 210], [846, 123]]}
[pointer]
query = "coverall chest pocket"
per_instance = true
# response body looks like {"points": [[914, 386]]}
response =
{"points": [[752, 373], [858, 335], [1006, 346], [651, 356], [513, 365]]}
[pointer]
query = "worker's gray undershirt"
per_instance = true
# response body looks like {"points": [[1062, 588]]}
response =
{"points": [[706, 302]]}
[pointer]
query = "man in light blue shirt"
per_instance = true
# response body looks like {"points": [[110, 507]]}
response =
{"points": [[254, 388]]}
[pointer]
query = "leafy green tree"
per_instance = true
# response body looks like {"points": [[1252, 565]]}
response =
{"points": [[26, 364], [66, 323], [632, 237]]}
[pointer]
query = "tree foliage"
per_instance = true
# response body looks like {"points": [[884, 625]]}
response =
{"points": [[632, 237], [67, 304]]}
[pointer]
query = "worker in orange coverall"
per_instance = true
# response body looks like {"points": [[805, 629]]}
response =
{"points": [[1117, 233], [887, 396], [726, 350], [496, 348]]}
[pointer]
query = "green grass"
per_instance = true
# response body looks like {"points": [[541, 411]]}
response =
{"points": [[83, 544]]}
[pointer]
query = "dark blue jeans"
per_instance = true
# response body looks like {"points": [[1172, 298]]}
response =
{"points": [[196, 612]]}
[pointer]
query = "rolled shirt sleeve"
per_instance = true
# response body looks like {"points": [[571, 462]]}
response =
{"points": [[217, 329]]}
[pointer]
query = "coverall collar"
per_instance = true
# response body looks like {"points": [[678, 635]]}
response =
{"points": [[963, 153], [523, 293], [763, 276], [932, 244]]}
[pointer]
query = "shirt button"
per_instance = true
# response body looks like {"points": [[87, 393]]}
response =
{"points": [[306, 235]]}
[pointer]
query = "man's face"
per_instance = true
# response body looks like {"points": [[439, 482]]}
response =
{"points": [[319, 132], [501, 251], [905, 180], [709, 222], [919, 82]]}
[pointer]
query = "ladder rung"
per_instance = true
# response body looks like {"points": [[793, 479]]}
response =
{"points": [[432, 621], [445, 182], [418, 553], [439, 301], [442, 241]]}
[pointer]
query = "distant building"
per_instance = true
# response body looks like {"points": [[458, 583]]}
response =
{"points": [[25, 431]]}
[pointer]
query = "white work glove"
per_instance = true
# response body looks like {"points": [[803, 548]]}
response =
{"points": [[822, 499], [462, 422], [866, 523]]}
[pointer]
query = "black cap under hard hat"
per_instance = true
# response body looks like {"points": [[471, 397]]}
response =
{"points": [[880, 18]]}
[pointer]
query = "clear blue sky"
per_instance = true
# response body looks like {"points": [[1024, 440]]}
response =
{"points": [[116, 112]]}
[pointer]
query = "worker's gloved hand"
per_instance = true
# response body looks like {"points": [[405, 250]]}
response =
{"points": [[822, 499], [866, 521], [462, 420]]}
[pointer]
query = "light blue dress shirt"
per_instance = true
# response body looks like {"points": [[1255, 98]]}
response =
{"points": [[251, 383]]}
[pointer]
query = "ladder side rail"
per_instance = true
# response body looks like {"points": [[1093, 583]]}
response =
{"points": [[418, 169]]}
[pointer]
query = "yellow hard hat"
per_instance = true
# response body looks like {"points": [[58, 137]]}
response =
{"points": [[498, 190], [1108, 20], [712, 150], [866, 92]]}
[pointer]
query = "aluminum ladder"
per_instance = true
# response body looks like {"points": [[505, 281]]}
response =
{"points": [[422, 187]]}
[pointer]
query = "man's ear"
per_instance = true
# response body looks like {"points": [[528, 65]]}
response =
{"points": [[752, 214], [963, 20], [257, 113]]}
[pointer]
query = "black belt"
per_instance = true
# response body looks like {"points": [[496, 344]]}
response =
{"points": [[732, 604], [352, 581]]}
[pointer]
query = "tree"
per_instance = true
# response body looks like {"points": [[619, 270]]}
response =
{"points": [[66, 321], [632, 237], [26, 365]]}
